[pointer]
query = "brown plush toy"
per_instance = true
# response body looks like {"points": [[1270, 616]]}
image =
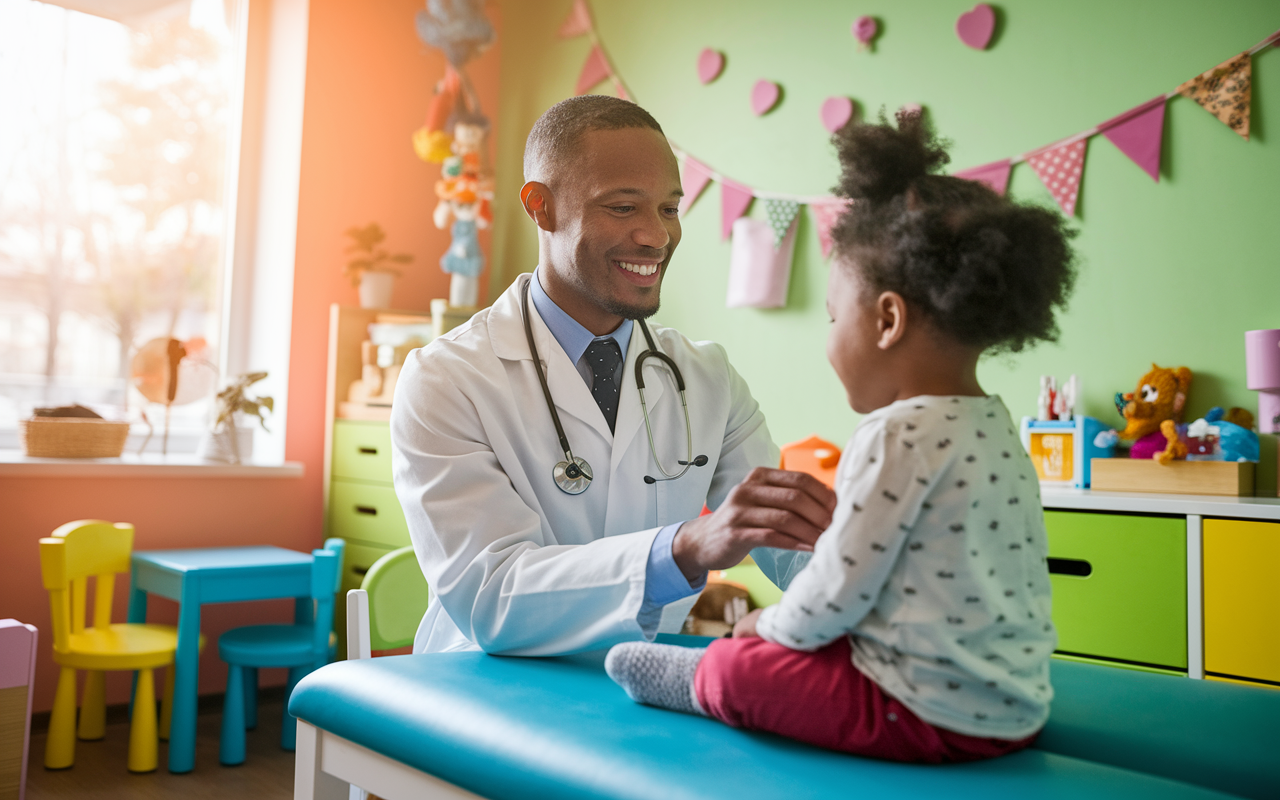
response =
{"points": [[1156, 408]]}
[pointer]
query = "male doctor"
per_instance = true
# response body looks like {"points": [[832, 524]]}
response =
{"points": [[516, 564]]}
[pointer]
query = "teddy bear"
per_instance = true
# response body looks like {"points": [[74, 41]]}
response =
{"points": [[1152, 413]]}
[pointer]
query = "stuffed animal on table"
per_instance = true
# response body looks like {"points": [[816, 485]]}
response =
{"points": [[1152, 413]]}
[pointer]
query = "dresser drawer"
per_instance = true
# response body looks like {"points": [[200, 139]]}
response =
{"points": [[359, 557], [362, 450], [1120, 586], [1242, 599], [368, 513]]}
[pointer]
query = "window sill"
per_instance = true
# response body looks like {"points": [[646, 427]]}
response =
{"points": [[13, 463]]}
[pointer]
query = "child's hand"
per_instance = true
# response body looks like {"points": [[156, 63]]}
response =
{"points": [[746, 627]]}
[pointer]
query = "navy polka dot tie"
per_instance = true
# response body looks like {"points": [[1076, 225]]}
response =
{"points": [[604, 356]]}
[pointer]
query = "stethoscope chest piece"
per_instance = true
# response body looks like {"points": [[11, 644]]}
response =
{"points": [[573, 478]]}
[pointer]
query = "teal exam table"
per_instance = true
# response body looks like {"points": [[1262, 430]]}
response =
{"points": [[455, 725]]}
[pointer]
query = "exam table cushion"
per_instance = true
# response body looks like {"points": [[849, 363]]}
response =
{"points": [[558, 727], [1221, 735]]}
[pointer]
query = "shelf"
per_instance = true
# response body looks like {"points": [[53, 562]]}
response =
{"points": [[14, 464], [1263, 508]]}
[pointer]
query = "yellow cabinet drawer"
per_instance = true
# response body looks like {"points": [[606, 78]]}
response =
{"points": [[362, 450], [1242, 599], [368, 513]]}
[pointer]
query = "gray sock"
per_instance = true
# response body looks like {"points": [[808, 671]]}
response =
{"points": [[656, 674]]}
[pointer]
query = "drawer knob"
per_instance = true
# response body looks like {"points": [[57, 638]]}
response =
{"points": [[1070, 566], [360, 570], [369, 451], [370, 510]]}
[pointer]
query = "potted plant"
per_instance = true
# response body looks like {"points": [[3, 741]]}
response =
{"points": [[370, 266], [227, 441]]}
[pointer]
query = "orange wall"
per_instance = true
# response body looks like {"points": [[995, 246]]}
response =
{"points": [[368, 82]]}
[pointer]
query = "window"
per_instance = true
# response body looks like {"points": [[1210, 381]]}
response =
{"points": [[116, 197]]}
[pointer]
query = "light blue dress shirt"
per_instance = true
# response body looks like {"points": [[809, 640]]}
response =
{"points": [[664, 582]]}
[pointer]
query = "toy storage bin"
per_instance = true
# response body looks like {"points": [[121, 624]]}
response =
{"points": [[362, 451], [1119, 587], [1241, 600]]}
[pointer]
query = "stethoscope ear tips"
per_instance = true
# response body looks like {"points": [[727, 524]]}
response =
{"points": [[649, 479], [700, 461]]}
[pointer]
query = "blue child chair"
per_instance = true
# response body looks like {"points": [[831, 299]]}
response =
{"points": [[302, 647]]}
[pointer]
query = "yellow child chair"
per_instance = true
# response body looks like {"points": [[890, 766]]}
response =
{"points": [[77, 551]]}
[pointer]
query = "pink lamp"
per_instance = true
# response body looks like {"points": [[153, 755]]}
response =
{"points": [[1262, 370]]}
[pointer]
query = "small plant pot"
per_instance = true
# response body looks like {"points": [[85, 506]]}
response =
{"points": [[375, 289], [219, 445]]}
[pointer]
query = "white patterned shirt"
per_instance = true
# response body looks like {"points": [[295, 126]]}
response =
{"points": [[935, 566]]}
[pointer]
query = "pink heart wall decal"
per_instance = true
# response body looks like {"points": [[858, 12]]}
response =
{"points": [[836, 113], [710, 63], [976, 27], [764, 96], [865, 29]]}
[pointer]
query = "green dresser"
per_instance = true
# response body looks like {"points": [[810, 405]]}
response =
{"points": [[1120, 588], [363, 508]]}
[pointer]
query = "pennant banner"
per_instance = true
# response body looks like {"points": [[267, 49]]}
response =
{"points": [[1060, 170], [1139, 133], [759, 270], [995, 175], [594, 70], [781, 214], [735, 199], [1225, 92], [577, 23], [825, 214], [693, 179]]}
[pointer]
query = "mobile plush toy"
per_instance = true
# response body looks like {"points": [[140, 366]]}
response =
{"points": [[454, 137], [1152, 414]]}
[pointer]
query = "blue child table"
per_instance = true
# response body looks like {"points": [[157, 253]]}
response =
{"points": [[210, 575]]}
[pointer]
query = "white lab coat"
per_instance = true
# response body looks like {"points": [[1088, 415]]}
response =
{"points": [[515, 565]]}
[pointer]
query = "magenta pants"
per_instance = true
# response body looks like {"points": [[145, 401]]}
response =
{"points": [[821, 698]]}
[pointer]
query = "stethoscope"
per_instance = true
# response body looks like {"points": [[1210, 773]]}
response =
{"points": [[573, 475]]}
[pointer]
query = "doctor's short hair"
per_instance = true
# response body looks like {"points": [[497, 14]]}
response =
{"points": [[556, 133], [986, 271]]}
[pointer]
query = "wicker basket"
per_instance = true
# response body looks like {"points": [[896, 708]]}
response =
{"points": [[73, 437]]}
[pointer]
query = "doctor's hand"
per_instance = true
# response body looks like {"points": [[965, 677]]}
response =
{"points": [[770, 508]]}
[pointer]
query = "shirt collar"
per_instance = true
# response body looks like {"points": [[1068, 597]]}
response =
{"points": [[568, 332]]}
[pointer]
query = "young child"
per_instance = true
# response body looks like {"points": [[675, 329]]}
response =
{"points": [[920, 629]]}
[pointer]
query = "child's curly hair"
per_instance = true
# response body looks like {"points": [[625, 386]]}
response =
{"points": [[987, 271]]}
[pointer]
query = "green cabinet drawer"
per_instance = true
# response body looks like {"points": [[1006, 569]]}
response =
{"points": [[368, 513], [362, 450], [1120, 586], [359, 557]]}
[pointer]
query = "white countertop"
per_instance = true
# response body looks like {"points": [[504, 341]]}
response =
{"points": [[1063, 499], [14, 464]]}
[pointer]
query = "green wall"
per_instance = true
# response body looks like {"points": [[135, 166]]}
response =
{"points": [[1171, 272]]}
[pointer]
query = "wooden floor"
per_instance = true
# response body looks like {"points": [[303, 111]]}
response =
{"points": [[99, 772]]}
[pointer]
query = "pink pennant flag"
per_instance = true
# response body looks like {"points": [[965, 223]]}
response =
{"points": [[995, 175], [693, 179], [758, 271], [1060, 170], [622, 91], [578, 22], [1138, 133], [735, 199], [594, 70], [825, 213]]}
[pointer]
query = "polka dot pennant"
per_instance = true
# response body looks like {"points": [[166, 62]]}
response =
{"points": [[1060, 170], [781, 214]]}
